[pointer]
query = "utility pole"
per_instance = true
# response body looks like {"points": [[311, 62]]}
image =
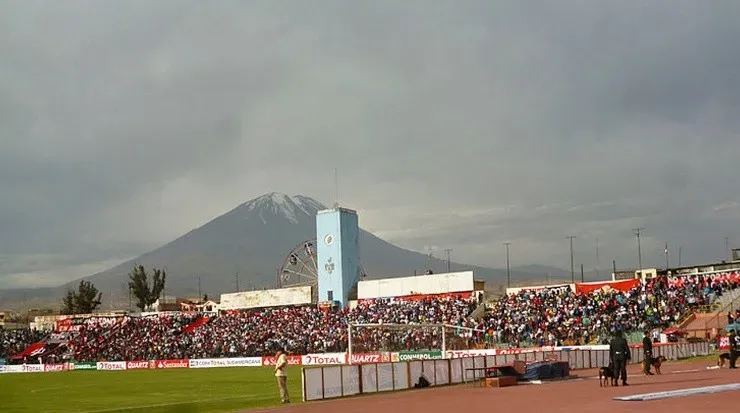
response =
{"points": [[582, 278], [237, 281], [448, 251], [639, 248], [572, 269], [598, 264], [430, 258], [200, 297], [679, 255], [508, 267], [727, 249], [666, 256]]}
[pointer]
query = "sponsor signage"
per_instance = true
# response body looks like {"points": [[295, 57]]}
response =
{"points": [[368, 358], [418, 355], [25, 368], [56, 367], [292, 361], [169, 364], [323, 359], [226, 362], [84, 366], [137, 365], [456, 354], [111, 365]]}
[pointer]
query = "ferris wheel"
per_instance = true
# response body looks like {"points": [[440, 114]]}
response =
{"points": [[300, 268]]}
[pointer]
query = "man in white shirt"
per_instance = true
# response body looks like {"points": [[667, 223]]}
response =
{"points": [[281, 363]]}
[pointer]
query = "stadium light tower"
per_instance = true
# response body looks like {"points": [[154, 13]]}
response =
{"points": [[572, 268], [508, 267], [637, 232]]}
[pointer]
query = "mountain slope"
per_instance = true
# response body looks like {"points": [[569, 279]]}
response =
{"points": [[252, 240]]}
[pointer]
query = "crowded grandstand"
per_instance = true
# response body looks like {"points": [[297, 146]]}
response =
{"points": [[570, 314]]}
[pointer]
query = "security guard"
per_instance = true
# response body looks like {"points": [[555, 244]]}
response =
{"points": [[647, 351], [733, 349], [619, 352]]}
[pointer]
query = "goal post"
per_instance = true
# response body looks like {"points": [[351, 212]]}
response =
{"points": [[376, 338]]}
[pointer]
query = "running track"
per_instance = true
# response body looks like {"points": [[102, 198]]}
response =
{"points": [[573, 396]]}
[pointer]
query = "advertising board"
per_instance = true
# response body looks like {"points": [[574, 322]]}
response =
{"points": [[137, 365], [456, 354], [84, 366], [292, 361], [417, 355], [56, 367], [111, 365], [169, 364], [228, 362], [323, 359], [24, 368], [368, 358]]}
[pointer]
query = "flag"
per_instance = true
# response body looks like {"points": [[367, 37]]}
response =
{"points": [[666, 248]]}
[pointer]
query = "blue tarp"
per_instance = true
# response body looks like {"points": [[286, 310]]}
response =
{"points": [[546, 370]]}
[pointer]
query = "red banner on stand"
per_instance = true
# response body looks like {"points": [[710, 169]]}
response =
{"points": [[624, 285]]}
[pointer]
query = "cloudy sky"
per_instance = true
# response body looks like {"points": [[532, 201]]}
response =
{"points": [[453, 124]]}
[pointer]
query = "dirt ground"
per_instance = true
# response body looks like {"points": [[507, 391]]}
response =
{"points": [[581, 395]]}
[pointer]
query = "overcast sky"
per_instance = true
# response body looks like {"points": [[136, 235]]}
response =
{"points": [[465, 124]]}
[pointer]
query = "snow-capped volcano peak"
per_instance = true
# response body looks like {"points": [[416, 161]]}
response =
{"points": [[308, 204], [277, 203]]}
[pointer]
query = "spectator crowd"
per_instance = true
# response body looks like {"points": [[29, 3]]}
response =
{"points": [[559, 315], [535, 317], [16, 340]]}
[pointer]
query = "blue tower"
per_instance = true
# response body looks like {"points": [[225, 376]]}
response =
{"points": [[338, 250]]}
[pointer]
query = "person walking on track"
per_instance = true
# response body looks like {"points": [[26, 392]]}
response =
{"points": [[647, 351], [281, 363], [733, 349]]}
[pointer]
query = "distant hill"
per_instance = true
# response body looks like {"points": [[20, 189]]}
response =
{"points": [[252, 240]]}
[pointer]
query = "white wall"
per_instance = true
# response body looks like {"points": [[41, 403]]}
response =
{"points": [[422, 284], [266, 298]]}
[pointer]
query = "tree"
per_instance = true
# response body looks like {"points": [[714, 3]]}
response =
{"points": [[83, 301], [146, 293], [205, 297]]}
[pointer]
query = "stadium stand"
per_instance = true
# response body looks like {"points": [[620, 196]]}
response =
{"points": [[540, 317], [13, 342]]}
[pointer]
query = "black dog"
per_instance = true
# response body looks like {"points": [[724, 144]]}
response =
{"points": [[606, 376], [655, 362], [722, 358]]}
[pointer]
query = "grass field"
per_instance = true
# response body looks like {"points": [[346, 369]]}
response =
{"points": [[177, 390]]}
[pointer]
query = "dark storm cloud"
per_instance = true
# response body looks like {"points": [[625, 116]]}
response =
{"points": [[124, 124]]}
